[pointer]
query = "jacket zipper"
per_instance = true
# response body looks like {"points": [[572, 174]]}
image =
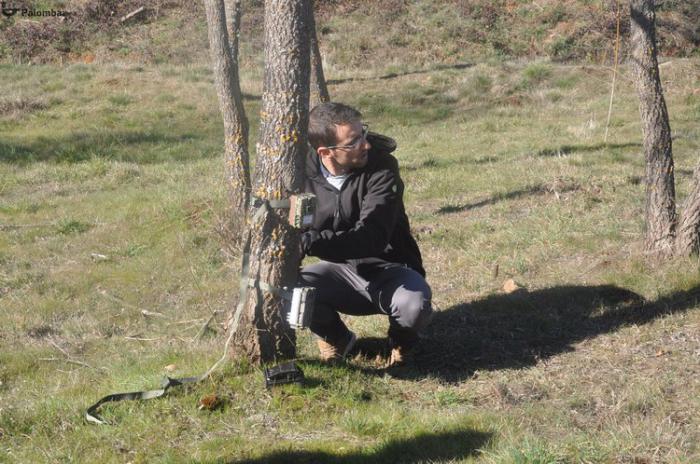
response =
{"points": [[336, 215]]}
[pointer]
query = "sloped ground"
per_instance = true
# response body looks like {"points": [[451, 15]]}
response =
{"points": [[357, 36]]}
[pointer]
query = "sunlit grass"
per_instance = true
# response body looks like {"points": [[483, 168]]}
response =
{"points": [[111, 263]]}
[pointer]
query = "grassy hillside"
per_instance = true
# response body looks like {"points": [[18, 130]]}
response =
{"points": [[357, 36], [111, 263]]}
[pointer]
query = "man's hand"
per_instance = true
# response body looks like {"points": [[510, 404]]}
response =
{"points": [[307, 239]]}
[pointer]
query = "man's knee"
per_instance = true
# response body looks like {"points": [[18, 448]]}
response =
{"points": [[412, 308], [316, 275]]}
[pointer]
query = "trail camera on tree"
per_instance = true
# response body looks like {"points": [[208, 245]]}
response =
{"points": [[264, 333]]}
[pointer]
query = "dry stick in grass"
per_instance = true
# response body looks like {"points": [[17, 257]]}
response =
{"points": [[612, 90], [203, 330], [141, 339], [144, 312], [68, 358], [214, 312], [70, 361]]}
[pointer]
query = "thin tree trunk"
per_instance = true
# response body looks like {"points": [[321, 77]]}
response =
{"points": [[263, 333], [236, 163], [233, 26], [319, 89], [688, 233], [660, 216]]}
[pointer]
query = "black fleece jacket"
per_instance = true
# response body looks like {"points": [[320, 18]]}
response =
{"points": [[364, 223]]}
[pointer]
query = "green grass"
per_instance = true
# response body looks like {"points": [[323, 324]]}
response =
{"points": [[111, 262]]}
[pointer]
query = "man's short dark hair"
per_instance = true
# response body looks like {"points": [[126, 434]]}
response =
{"points": [[323, 119]]}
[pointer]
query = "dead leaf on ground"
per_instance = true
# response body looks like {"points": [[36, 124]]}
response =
{"points": [[509, 286], [210, 402]]}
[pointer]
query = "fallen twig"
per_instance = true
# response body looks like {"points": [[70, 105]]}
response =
{"points": [[70, 361], [132, 14], [68, 358], [144, 312], [140, 339], [203, 330], [147, 313], [188, 321], [55, 345]]}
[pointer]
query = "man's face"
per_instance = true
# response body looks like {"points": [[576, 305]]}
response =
{"points": [[351, 149]]}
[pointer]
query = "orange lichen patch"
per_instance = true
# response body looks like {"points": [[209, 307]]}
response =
{"points": [[293, 137]]}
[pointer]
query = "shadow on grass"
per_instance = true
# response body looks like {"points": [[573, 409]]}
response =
{"points": [[452, 445], [533, 190], [563, 150], [82, 146], [405, 73], [517, 330], [570, 149]]}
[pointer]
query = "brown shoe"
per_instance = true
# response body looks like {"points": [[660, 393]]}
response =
{"points": [[335, 353], [402, 356]]}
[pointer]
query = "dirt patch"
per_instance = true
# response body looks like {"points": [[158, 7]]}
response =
{"points": [[41, 331], [16, 107]]}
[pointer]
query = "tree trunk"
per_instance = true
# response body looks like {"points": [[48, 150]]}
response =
{"points": [[236, 164], [263, 333], [319, 88], [233, 26], [660, 216], [688, 233]]}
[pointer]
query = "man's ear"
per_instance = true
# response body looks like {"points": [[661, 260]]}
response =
{"points": [[323, 152]]}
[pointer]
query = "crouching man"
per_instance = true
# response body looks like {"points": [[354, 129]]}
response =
{"points": [[370, 263]]}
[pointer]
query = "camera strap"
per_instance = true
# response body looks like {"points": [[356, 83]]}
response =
{"points": [[261, 206]]}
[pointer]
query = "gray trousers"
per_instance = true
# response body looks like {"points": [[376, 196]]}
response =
{"points": [[396, 291]]}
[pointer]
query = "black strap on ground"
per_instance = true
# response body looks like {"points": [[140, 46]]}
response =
{"points": [[91, 413], [261, 206]]}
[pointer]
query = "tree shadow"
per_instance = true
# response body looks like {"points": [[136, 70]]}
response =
{"points": [[563, 150], [451, 445], [539, 189], [439, 67], [516, 330], [442, 163], [570, 149], [81, 146]]}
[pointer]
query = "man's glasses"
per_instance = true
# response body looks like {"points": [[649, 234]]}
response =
{"points": [[356, 143]]}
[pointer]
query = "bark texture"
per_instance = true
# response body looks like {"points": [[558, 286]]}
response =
{"points": [[688, 233], [263, 333], [319, 89], [224, 59], [660, 215], [233, 26]]}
